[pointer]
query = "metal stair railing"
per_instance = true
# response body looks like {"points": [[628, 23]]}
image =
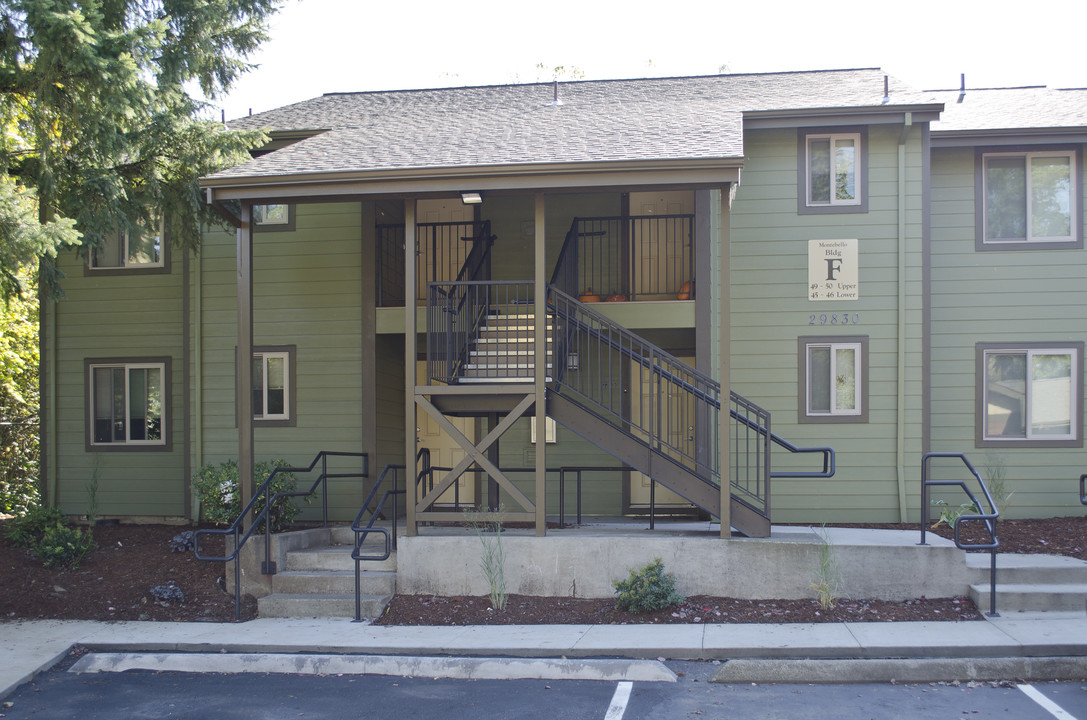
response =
{"points": [[603, 255], [1083, 489], [261, 519], [443, 247], [987, 519], [456, 311], [389, 534], [682, 402]]}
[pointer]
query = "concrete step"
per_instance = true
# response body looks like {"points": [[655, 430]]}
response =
{"points": [[1014, 568], [1028, 597], [339, 605], [336, 557], [333, 582]]}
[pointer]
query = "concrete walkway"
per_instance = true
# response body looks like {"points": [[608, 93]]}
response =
{"points": [[1020, 645]]}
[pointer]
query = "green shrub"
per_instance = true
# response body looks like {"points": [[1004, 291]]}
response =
{"points": [[63, 548], [28, 529], [647, 589], [220, 502]]}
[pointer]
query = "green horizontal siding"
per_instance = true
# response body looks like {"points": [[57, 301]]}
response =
{"points": [[770, 310], [118, 316], [997, 296], [307, 293]]}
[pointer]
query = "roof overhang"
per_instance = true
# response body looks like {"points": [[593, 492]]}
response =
{"points": [[827, 117], [1018, 136], [549, 177]]}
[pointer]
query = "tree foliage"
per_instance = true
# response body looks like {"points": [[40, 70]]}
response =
{"points": [[18, 405], [102, 131]]}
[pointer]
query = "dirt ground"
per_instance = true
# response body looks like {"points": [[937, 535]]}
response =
{"points": [[115, 582]]}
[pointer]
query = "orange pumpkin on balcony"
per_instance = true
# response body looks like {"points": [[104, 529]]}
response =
{"points": [[685, 291], [588, 296], [616, 298]]}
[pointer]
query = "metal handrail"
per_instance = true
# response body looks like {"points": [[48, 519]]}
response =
{"points": [[989, 518], [267, 566], [363, 531], [601, 253], [443, 243], [829, 462]]}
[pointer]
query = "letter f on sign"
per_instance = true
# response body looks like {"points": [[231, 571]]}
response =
{"points": [[833, 266]]}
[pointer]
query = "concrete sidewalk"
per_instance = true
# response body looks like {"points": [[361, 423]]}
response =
{"points": [[1016, 644]]}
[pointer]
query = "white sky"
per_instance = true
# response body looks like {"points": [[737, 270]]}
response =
{"points": [[320, 46]]}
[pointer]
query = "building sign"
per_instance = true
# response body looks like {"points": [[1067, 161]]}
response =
{"points": [[833, 270]]}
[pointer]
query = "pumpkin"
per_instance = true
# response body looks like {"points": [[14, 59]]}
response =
{"points": [[588, 296], [685, 291], [616, 298]]}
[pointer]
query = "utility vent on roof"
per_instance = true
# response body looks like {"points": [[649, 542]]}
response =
{"points": [[962, 87], [555, 88]]}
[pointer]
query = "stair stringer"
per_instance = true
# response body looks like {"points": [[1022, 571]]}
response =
{"points": [[693, 487]]}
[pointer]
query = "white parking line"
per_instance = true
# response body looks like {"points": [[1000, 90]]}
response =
{"points": [[619, 701], [1054, 709]]}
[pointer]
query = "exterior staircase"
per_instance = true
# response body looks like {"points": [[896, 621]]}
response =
{"points": [[1029, 583], [319, 580], [503, 350]]}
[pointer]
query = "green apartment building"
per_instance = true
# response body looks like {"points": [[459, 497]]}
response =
{"points": [[662, 274]]}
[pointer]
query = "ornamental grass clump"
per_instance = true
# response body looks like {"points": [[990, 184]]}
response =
{"points": [[647, 589]]}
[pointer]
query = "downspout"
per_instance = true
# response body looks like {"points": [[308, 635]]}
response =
{"points": [[50, 481], [900, 440], [198, 374]]}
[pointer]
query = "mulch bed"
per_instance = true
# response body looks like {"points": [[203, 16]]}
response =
{"points": [[115, 581]]}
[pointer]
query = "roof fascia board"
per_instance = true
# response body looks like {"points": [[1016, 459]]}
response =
{"points": [[1038, 136], [710, 173], [805, 118]]}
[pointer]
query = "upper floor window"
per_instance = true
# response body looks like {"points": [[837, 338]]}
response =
{"points": [[141, 247], [1029, 200], [127, 402], [273, 217], [1029, 394], [274, 386], [833, 172], [833, 379], [271, 385]]}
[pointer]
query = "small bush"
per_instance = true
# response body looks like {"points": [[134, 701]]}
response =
{"points": [[647, 589], [28, 529], [63, 548], [220, 501]]}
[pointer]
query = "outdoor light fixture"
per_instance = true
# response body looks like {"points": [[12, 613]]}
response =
{"points": [[471, 198]]}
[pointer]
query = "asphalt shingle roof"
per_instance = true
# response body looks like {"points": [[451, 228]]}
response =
{"points": [[1011, 109], [597, 121]]}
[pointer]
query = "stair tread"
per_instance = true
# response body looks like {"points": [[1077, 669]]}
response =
{"points": [[1013, 560], [1052, 588]]}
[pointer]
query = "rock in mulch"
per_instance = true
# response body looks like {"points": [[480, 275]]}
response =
{"points": [[183, 542], [169, 592]]}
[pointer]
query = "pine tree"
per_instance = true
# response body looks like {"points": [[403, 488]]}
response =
{"points": [[103, 130]]}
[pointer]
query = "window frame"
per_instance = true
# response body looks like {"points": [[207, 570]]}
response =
{"points": [[982, 154], [164, 364], [126, 268], [290, 417], [261, 225], [860, 344], [981, 376], [803, 185]]}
